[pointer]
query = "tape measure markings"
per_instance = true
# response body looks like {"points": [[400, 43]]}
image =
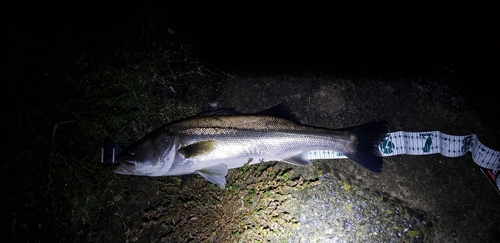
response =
{"points": [[433, 142]]}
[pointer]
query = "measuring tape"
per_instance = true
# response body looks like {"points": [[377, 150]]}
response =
{"points": [[423, 143], [396, 143]]}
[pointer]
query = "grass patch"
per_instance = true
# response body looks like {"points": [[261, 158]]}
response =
{"points": [[251, 209], [117, 90]]}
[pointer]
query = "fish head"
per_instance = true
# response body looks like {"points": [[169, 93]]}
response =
{"points": [[151, 156]]}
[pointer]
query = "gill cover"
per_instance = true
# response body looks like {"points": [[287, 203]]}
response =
{"points": [[151, 156]]}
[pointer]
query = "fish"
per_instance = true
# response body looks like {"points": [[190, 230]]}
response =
{"points": [[211, 143]]}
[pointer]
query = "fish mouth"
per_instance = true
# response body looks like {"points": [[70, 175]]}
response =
{"points": [[125, 167]]}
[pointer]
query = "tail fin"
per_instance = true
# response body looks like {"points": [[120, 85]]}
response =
{"points": [[368, 138]]}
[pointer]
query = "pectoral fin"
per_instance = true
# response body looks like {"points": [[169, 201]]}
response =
{"points": [[299, 160], [215, 174], [197, 149]]}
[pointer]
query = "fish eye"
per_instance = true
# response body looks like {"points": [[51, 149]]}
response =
{"points": [[132, 152]]}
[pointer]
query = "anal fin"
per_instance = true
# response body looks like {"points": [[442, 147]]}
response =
{"points": [[299, 160]]}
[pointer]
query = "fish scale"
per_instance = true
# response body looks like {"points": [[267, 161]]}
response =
{"points": [[210, 143]]}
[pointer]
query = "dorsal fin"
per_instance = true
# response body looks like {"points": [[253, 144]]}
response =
{"points": [[220, 112], [280, 111]]}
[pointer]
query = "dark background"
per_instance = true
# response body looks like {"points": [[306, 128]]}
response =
{"points": [[455, 42], [455, 38]]}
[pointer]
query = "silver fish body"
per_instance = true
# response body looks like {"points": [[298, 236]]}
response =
{"points": [[211, 143]]}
